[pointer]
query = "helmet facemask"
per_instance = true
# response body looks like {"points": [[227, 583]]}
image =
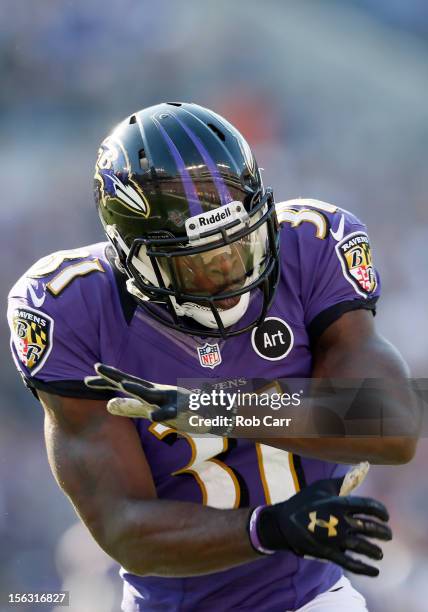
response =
{"points": [[209, 276]]}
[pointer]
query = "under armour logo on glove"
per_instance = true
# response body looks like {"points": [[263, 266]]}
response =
{"points": [[330, 524]]}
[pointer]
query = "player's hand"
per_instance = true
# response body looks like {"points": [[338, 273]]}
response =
{"points": [[147, 400], [318, 523]]}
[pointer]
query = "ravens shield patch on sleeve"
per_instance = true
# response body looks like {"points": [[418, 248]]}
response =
{"points": [[32, 336], [357, 263]]}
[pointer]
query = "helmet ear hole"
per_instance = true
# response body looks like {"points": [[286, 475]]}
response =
{"points": [[132, 120], [216, 131], [144, 162]]}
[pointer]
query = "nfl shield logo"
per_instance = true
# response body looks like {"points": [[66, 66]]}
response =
{"points": [[209, 355]]}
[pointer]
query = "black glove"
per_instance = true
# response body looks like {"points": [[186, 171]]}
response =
{"points": [[159, 403], [165, 403], [317, 523]]}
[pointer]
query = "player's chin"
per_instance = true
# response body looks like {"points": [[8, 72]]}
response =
{"points": [[227, 303]]}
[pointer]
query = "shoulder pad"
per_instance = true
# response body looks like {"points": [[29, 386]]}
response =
{"points": [[78, 262], [54, 273], [54, 313], [324, 217], [308, 203]]}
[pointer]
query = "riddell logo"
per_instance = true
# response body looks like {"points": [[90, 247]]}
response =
{"points": [[219, 216], [213, 219]]}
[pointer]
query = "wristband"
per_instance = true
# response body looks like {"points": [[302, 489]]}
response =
{"points": [[252, 532]]}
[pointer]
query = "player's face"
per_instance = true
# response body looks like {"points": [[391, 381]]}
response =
{"points": [[224, 269], [213, 272]]}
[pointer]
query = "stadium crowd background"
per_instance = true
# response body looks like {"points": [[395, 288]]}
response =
{"points": [[333, 98]]}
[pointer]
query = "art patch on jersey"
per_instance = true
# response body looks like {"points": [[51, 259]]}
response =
{"points": [[32, 333], [357, 262], [209, 355], [273, 339]]}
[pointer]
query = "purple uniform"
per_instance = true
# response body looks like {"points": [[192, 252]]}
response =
{"points": [[71, 309]]}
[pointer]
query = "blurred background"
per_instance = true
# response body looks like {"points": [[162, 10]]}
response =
{"points": [[331, 95]]}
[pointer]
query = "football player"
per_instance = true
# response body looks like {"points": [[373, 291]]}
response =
{"points": [[204, 276]]}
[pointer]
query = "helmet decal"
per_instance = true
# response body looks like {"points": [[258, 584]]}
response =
{"points": [[107, 154], [177, 217], [128, 193]]}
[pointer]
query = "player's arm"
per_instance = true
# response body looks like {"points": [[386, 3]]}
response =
{"points": [[340, 287], [351, 348], [98, 461]]}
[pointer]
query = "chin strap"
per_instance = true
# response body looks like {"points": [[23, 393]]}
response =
{"points": [[204, 316], [188, 309]]}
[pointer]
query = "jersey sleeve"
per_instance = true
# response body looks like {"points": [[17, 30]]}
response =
{"points": [[336, 262], [54, 319]]}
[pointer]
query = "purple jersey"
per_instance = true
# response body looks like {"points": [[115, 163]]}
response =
{"points": [[71, 310]]}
